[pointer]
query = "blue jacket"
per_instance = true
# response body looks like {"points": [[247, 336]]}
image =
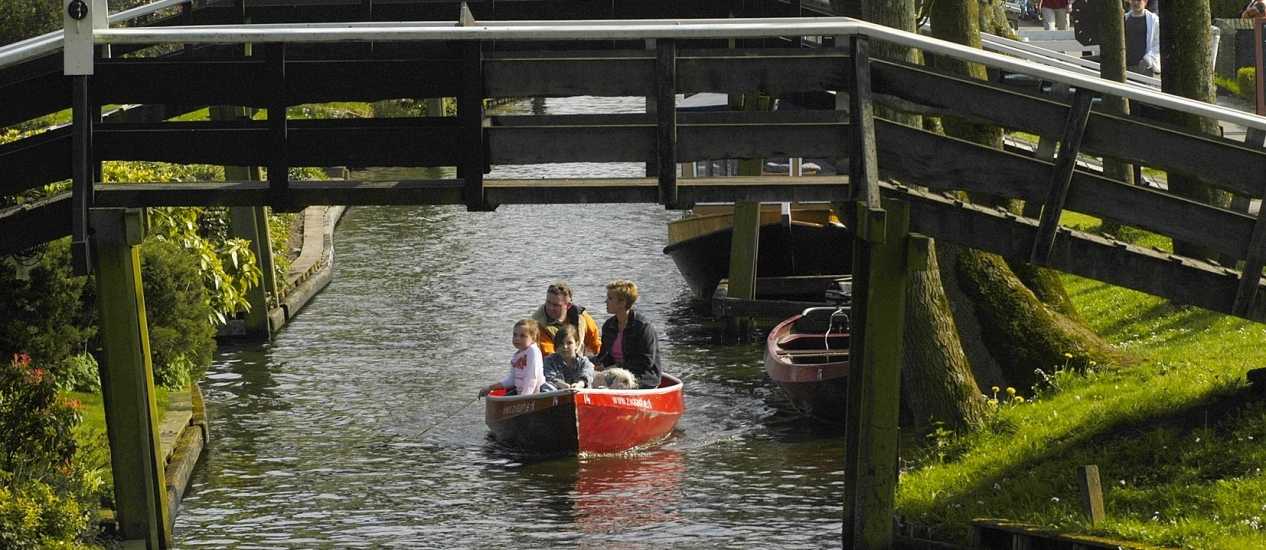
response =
{"points": [[559, 374]]}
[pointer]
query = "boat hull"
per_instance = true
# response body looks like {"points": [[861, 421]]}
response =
{"points": [[814, 377], [797, 249], [588, 421]]}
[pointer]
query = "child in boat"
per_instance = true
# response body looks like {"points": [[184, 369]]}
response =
{"points": [[526, 370], [566, 368]]}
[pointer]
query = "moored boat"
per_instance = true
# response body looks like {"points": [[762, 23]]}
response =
{"points": [[807, 240], [807, 356], [585, 420]]}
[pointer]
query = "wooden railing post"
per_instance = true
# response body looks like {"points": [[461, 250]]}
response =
{"points": [[127, 380], [666, 120], [279, 162], [470, 117], [880, 273]]}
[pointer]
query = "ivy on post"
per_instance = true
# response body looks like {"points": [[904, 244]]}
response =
{"points": [[127, 380]]}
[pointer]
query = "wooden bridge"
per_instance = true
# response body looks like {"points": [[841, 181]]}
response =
{"points": [[299, 60]]}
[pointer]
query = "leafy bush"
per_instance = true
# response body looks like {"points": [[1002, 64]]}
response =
{"points": [[1246, 80], [46, 313], [46, 497], [177, 311], [80, 374]]}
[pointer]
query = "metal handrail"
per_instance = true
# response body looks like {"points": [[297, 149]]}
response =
{"points": [[1025, 50], [44, 44], [648, 29]]}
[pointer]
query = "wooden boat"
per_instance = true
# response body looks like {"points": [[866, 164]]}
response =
{"points": [[586, 420], [811, 242], [807, 356]]}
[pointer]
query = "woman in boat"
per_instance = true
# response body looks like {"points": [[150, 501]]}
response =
{"points": [[629, 341]]}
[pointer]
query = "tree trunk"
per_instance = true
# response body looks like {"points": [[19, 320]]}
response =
{"points": [[1186, 70], [993, 19], [898, 14], [937, 383], [1112, 67], [1021, 333]]}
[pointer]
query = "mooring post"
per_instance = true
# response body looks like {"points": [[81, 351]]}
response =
{"points": [[881, 256], [127, 380]]}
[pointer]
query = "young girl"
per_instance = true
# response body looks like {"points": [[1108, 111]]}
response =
{"points": [[526, 374], [566, 368]]}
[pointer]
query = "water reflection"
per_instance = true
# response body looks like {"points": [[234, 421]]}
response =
{"points": [[621, 494]]}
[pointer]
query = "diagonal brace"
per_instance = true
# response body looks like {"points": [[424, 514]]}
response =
{"points": [[1061, 176]]}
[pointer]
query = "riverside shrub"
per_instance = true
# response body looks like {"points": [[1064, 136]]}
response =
{"points": [[48, 312], [46, 497], [177, 310]]}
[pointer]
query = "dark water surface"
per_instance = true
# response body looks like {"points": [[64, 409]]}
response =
{"points": [[314, 437]]}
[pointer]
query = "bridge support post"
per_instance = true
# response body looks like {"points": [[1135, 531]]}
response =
{"points": [[880, 274], [127, 380], [251, 223]]}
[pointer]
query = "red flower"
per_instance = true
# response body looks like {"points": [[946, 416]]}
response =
{"points": [[21, 360]]}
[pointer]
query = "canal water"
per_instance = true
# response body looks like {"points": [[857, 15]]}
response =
{"points": [[315, 437]]}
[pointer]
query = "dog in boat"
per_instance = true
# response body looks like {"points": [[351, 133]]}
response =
{"points": [[615, 379]]}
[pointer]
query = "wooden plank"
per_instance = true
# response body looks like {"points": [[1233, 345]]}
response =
{"points": [[1246, 293], [301, 193], [944, 163], [35, 161], [666, 114], [1224, 163], [1061, 176], [131, 414]]}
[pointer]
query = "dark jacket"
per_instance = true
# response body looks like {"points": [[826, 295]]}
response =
{"points": [[641, 348]]}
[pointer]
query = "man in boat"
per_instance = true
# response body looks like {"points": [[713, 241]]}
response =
{"points": [[558, 310]]}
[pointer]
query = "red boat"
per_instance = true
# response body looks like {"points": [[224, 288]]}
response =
{"points": [[586, 420], [807, 356]]}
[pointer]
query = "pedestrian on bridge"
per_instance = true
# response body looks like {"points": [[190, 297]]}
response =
{"points": [[1055, 14], [1142, 39]]}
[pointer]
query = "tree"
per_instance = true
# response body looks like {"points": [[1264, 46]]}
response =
{"points": [[1186, 70]]}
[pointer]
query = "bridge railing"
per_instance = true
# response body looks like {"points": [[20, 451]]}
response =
{"points": [[466, 69], [51, 42]]}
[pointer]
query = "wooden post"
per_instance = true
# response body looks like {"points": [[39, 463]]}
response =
{"points": [[880, 256], [82, 172], [666, 118], [127, 380], [1061, 176], [470, 117], [279, 164], [1091, 494]]}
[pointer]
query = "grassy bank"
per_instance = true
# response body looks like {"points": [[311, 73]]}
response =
{"points": [[1179, 438]]}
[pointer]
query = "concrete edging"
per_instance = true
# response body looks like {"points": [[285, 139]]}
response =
{"points": [[312, 271]]}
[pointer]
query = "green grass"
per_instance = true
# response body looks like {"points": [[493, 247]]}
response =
{"points": [[1178, 437], [91, 432]]}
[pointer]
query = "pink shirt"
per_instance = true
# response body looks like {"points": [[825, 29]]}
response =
{"points": [[617, 348]]}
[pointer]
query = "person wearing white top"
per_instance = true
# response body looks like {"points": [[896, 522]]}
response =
{"points": [[527, 370], [1142, 39]]}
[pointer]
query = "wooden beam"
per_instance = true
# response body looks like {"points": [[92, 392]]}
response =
{"points": [[32, 224], [744, 249], [300, 194], [1247, 292], [666, 115], [127, 380], [1061, 176]]}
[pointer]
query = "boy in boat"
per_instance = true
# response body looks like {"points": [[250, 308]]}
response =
{"points": [[566, 368], [526, 370]]}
